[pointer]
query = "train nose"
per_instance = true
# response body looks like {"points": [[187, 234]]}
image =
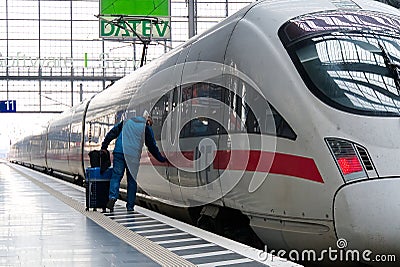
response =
{"points": [[367, 218]]}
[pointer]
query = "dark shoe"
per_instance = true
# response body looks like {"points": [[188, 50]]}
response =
{"points": [[110, 204], [129, 209]]}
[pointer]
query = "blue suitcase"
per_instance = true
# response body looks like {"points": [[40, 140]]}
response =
{"points": [[97, 188]]}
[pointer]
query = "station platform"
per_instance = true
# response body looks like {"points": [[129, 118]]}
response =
{"points": [[44, 222]]}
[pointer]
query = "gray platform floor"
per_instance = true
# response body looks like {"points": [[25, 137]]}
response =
{"points": [[44, 222], [37, 229]]}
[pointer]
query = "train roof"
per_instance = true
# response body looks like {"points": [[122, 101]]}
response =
{"points": [[275, 12], [280, 11]]}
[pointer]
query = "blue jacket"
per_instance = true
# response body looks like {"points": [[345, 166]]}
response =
{"points": [[130, 138]]}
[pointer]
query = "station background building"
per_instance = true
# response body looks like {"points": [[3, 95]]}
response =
{"points": [[52, 58]]}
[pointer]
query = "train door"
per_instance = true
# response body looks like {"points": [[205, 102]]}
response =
{"points": [[58, 142], [201, 113], [77, 139], [172, 123], [172, 128]]}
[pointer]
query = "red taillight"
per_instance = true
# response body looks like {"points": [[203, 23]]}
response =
{"points": [[349, 165], [347, 159]]}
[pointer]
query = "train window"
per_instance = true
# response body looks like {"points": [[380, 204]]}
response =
{"points": [[200, 126], [266, 120], [174, 115], [347, 66], [159, 113], [175, 98], [252, 125], [254, 114], [201, 112], [248, 112], [282, 128]]}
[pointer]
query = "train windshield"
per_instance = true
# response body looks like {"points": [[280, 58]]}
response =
{"points": [[351, 61]]}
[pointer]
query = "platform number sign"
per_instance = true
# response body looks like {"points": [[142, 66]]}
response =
{"points": [[8, 106]]}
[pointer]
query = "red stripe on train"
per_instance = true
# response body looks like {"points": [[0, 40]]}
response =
{"points": [[256, 161], [260, 161]]}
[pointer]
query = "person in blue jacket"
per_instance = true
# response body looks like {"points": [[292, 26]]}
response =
{"points": [[130, 135]]}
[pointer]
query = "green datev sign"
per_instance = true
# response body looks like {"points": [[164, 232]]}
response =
{"points": [[134, 14], [155, 8], [144, 28]]}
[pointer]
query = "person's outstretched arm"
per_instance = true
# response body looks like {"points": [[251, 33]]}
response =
{"points": [[111, 135], [152, 145]]}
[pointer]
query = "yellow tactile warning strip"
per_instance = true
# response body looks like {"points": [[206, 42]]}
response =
{"points": [[152, 250]]}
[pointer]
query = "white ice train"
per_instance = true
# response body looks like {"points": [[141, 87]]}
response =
{"points": [[296, 103]]}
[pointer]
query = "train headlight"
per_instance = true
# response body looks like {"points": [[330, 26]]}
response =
{"points": [[347, 158]]}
